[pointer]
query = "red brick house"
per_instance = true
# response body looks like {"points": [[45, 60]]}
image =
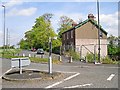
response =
{"points": [[83, 38]]}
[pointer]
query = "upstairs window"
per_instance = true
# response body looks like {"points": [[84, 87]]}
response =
{"points": [[63, 36], [67, 35], [72, 34], [101, 34]]}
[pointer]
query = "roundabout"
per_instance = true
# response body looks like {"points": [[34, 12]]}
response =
{"points": [[14, 75]]}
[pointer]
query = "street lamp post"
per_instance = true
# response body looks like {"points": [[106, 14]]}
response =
{"points": [[4, 29], [98, 32]]}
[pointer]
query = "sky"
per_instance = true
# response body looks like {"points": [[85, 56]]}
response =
{"points": [[21, 15]]}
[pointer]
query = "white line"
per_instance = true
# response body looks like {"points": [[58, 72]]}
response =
{"points": [[68, 78], [71, 76], [6, 72], [65, 72], [110, 77], [79, 86]]}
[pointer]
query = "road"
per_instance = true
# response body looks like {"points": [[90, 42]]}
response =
{"points": [[76, 75]]}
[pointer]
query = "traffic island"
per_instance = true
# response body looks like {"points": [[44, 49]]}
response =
{"points": [[14, 75]]}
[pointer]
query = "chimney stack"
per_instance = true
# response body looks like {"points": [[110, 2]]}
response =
{"points": [[91, 16], [74, 24]]}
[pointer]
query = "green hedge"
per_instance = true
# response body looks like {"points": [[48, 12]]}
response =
{"points": [[105, 60]]}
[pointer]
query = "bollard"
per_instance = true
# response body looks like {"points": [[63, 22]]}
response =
{"points": [[42, 56], [23, 55], [60, 58], [70, 59], [29, 55]]}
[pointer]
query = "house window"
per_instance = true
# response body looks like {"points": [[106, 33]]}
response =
{"points": [[63, 36], [101, 34], [67, 35], [72, 34]]}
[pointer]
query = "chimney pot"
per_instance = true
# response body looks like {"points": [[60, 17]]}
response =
{"points": [[91, 16]]}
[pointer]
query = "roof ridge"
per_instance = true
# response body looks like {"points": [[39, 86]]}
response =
{"points": [[84, 22]]}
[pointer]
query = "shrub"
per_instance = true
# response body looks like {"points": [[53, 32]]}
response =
{"points": [[107, 60], [75, 55], [90, 57]]}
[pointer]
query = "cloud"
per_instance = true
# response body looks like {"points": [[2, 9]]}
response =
{"points": [[23, 12], [12, 3], [110, 23]]}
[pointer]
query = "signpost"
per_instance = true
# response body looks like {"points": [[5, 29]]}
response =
{"points": [[20, 62]]}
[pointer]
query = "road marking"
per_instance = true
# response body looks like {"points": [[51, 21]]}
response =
{"points": [[76, 86], [110, 77], [68, 78], [65, 72], [6, 72]]}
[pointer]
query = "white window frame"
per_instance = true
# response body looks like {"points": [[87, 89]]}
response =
{"points": [[71, 33]]}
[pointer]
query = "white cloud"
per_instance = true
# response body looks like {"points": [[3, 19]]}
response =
{"points": [[24, 12], [12, 3], [110, 23]]}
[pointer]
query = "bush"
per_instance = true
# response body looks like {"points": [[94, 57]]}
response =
{"points": [[90, 57], [107, 60], [75, 55]]}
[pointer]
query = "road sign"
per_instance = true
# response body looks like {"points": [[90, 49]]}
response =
{"points": [[20, 62], [17, 62]]}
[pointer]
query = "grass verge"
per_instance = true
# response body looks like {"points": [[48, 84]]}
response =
{"points": [[43, 60]]}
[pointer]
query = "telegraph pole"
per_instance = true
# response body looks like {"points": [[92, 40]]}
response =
{"points": [[4, 30], [7, 39], [98, 32]]}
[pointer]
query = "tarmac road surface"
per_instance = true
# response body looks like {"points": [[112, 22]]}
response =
{"points": [[76, 75]]}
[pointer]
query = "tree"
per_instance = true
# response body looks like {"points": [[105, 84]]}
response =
{"points": [[112, 46], [24, 44], [65, 23], [38, 36]]}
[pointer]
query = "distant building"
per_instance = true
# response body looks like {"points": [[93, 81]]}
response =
{"points": [[83, 37]]}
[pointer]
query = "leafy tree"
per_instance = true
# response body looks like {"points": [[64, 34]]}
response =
{"points": [[38, 36], [65, 23], [112, 46], [24, 44]]}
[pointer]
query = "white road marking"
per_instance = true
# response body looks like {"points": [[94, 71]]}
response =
{"points": [[65, 72], [68, 78], [76, 86], [110, 77], [6, 72]]}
